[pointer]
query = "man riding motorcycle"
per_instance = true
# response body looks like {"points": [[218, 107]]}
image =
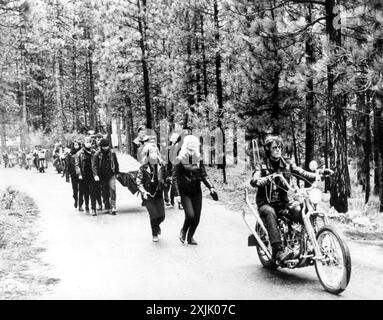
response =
{"points": [[272, 198]]}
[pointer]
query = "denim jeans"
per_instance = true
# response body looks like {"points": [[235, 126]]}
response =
{"points": [[108, 190], [269, 214]]}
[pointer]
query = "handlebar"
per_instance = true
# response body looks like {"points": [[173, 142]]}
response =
{"points": [[287, 184]]}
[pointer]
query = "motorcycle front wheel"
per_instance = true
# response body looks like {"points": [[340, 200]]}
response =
{"points": [[334, 270], [263, 258]]}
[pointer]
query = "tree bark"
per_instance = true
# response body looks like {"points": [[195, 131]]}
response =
{"points": [[3, 131], [59, 111], [129, 125], [339, 189], [379, 143], [219, 86], [118, 125], [144, 61], [310, 104], [204, 68]]}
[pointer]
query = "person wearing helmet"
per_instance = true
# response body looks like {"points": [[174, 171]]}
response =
{"points": [[271, 200]]}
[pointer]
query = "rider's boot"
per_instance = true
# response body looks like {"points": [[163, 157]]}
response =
{"points": [[283, 253]]}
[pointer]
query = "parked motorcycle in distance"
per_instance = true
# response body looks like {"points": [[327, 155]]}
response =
{"points": [[314, 241]]}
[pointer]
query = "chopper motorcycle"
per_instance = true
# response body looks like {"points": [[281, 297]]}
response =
{"points": [[313, 240]]}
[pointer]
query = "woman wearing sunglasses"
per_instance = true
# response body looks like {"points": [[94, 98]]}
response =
{"points": [[188, 173]]}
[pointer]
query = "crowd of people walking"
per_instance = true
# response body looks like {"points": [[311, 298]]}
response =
{"points": [[91, 167]]}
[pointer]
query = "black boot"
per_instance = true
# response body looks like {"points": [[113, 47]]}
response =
{"points": [[182, 236], [192, 241], [282, 253]]}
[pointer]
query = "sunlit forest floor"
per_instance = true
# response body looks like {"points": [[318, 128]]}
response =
{"points": [[361, 222]]}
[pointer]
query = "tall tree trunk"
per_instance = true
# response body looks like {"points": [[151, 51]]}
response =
{"points": [[129, 125], [310, 103], [204, 68], [3, 131], [295, 145], [198, 64], [275, 113], [92, 111], [378, 6], [367, 148], [377, 161], [118, 127], [74, 96], [379, 142], [340, 180], [218, 79], [43, 110], [59, 111], [144, 61], [24, 125]]}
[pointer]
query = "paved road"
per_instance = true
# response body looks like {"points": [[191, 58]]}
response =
{"points": [[113, 257]]}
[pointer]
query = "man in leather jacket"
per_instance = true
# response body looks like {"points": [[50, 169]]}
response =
{"points": [[272, 199], [105, 167]]}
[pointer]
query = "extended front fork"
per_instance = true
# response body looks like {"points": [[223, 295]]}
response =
{"points": [[306, 217]]}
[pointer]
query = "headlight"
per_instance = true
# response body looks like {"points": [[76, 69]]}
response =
{"points": [[315, 196]]}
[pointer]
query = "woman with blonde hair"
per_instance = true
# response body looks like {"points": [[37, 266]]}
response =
{"points": [[151, 180], [188, 173]]}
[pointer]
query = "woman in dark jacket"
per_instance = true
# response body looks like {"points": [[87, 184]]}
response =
{"points": [[151, 180], [70, 171], [188, 173]]}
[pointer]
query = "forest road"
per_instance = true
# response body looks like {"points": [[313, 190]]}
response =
{"points": [[113, 257]]}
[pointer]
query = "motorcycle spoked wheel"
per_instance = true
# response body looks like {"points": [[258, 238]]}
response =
{"points": [[337, 261], [263, 258]]}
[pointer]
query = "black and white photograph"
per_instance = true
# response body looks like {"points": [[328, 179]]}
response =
{"points": [[191, 150]]}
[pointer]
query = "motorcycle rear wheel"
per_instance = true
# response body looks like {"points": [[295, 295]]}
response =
{"points": [[263, 258], [337, 259]]}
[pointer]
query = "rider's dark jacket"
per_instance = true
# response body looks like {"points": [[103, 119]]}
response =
{"points": [[276, 194]]}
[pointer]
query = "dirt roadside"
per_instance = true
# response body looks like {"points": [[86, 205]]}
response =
{"points": [[22, 271]]}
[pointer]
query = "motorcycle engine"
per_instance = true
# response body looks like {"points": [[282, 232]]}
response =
{"points": [[292, 236]]}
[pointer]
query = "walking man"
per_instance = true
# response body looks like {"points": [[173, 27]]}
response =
{"points": [[105, 167]]}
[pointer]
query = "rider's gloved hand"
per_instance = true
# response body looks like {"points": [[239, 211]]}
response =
{"points": [[326, 172], [262, 181]]}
